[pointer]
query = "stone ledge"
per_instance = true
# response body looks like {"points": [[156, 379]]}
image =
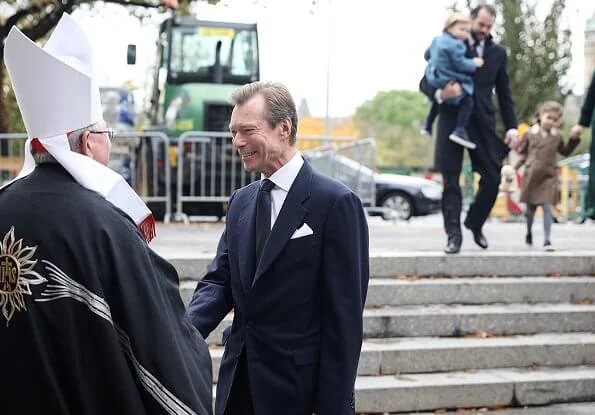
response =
{"points": [[586, 408], [485, 388], [428, 354], [435, 263], [479, 290], [455, 320]]}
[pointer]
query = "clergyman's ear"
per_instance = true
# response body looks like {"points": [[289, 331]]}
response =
{"points": [[85, 144]]}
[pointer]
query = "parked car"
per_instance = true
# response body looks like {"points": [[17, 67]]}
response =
{"points": [[392, 196], [406, 196]]}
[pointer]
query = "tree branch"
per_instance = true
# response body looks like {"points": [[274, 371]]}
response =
{"points": [[136, 3], [49, 21], [14, 19]]}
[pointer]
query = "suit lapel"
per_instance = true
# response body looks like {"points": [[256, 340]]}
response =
{"points": [[246, 236], [487, 45], [290, 218]]}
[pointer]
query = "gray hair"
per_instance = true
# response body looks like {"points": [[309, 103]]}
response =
{"points": [[279, 103], [74, 141]]}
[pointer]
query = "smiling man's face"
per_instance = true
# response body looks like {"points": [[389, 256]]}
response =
{"points": [[261, 147]]}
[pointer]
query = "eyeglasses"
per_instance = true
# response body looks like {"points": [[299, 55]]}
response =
{"points": [[109, 132]]}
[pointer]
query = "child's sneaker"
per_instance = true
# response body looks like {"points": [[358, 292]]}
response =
{"points": [[459, 137], [426, 130], [529, 239], [547, 246]]}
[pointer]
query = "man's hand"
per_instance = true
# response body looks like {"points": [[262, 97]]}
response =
{"points": [[512, 139], [478, 62], [576, 131], [451, 90]]}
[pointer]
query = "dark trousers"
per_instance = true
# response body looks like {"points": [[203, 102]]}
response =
{"points": [[432, 114], [452, 203], [240, 399], [464, 110]]}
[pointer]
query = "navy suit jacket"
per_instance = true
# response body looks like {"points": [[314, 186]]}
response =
{"points": [[300, 321]]}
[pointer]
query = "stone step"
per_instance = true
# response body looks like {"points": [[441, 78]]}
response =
{"points": [[480, 290], [477, 290], [483, 388], [436, 354], [440, 354], [488, 263], [583, 408], [458, 320]]}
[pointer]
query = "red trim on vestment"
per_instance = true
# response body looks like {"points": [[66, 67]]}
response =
{"points": [[36, 146], [147, 228]]}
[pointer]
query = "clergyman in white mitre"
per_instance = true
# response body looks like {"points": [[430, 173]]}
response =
{"points": [[57, 94]]}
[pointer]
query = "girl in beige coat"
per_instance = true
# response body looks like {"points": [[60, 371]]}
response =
{"points": [[538, 152]]}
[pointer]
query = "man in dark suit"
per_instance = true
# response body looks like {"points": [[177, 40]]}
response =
{"points": [[297, 293], [487, 158], [586, 119]]}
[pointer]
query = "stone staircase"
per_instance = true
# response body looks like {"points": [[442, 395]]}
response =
{"points": [[518, 341]]}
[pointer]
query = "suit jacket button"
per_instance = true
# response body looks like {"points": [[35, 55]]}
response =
{"points": [[249, 326]]}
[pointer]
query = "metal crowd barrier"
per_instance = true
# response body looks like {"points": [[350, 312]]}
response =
{"points": [[148, 173], [124, 156], [209, 169], [12, 148], [353, 164]]}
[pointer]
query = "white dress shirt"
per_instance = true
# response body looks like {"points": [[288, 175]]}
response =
{"points": [[283, 179]]}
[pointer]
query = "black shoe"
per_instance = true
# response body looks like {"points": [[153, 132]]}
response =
{"points": [[529, 239], [453, 246], [480, 239], [478, 236]]}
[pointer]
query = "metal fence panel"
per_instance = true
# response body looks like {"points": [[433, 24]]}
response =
{"points": [[143, 160], [209, 168], [12, 147], [353, 164], [126, 158]]}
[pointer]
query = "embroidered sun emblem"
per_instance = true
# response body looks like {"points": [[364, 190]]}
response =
{"points": [[16, 274]]}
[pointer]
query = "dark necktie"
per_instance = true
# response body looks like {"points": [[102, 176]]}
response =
{"points": [[471, 51], [476, 50], [263, 217]]}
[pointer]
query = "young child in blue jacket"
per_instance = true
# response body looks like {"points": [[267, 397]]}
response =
{"points": [[446, 63]]}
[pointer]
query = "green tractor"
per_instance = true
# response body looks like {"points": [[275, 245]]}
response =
{"points": [[199, 64]]}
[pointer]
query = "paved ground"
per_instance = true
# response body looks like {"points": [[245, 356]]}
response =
{"points": [[423, 234]]}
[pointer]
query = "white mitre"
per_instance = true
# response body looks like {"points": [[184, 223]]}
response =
{"points": [[57, 93]]}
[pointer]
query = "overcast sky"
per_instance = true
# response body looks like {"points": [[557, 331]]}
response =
{"points": [[373, 45]]}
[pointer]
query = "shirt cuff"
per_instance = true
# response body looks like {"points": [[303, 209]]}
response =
{"points": [[438, 96]]}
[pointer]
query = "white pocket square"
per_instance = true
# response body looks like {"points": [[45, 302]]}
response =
{"points": [[304, 230]]}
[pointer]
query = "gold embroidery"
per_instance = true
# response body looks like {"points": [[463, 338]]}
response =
{"points": [[9, 274], [16, 274]]}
